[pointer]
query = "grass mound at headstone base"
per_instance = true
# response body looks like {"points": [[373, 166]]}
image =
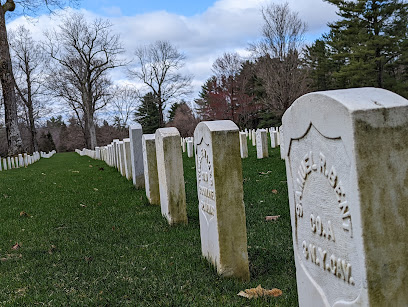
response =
{"points": [[86, 236]]}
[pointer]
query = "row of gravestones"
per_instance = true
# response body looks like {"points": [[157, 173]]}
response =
{"points": [[259, 139], [22, 160], [346, 155]]}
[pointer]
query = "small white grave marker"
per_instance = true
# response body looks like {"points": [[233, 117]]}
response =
{"points": [[135, 134], [243, 145], [261, 144], [150, 169], [190, 148], [171, 176]]}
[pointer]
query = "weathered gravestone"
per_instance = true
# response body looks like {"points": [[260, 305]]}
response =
{"points": [[183, 144], [115, 153], [8, 163], [20, 160], [150, 169], [243, 145], [128, 158], [171, 176], [220, 195], [281, 143], [135, 134], [190, 148], [274, 139], [121, 150], [346, 155], [253, 137], [261, 144]]}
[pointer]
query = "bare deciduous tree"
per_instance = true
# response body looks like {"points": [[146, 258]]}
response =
{"points": [[277, 53], [125, 98], [28, 58], [158, 68], [6, 71], [226, 69], [84, 52]]}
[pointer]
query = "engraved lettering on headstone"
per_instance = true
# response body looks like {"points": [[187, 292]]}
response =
{"points": [[206, 186]]}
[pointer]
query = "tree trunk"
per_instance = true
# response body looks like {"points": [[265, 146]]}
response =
{"points": [[161, 119], [92, 134], [33, 131], [15, 145]]}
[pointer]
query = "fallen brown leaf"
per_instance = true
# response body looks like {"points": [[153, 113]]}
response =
{"points": [[52, 249], [95, 189], [275, 191], [82, 205], [16, 246], [259, 292], [11, 256], [88, 259], [90, 165], [272, 217], [265, 173], [24, 214]]}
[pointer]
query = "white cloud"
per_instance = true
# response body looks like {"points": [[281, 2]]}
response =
{"points": [[227, 26]]}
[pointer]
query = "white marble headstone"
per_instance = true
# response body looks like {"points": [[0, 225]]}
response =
{"points": [[220, 195], [135, 134], [346, 155], [150, 169], [261, 144], [190, 148], [171, 176], [243, 145]]}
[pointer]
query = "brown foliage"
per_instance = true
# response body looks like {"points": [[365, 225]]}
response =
{"points": [[184, 120]]}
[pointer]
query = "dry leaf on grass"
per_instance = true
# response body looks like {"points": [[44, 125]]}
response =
{"points": [[75, 171], [275, 191], [265, 173], [16, 246], [52, 249], [272, 217], [95, 189], [82, 205], [259, 292], [24, 214], [90, 165], [11, 256]]}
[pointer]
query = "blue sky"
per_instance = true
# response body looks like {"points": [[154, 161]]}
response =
{"points": [[129, 8]]}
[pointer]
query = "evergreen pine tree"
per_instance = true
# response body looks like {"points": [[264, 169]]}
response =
{"points": [[148, 114], [366, 44]]}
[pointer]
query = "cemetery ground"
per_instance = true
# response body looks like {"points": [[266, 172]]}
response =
{"points": [[75, 232]]}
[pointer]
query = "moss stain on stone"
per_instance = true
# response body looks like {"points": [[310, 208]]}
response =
{"points": [[382, 167]]}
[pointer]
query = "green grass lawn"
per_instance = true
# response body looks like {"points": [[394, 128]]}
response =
{"points": [[92, 239]]}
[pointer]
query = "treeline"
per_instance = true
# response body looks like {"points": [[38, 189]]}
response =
{"points": [[62, 136], [367, 46]]}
